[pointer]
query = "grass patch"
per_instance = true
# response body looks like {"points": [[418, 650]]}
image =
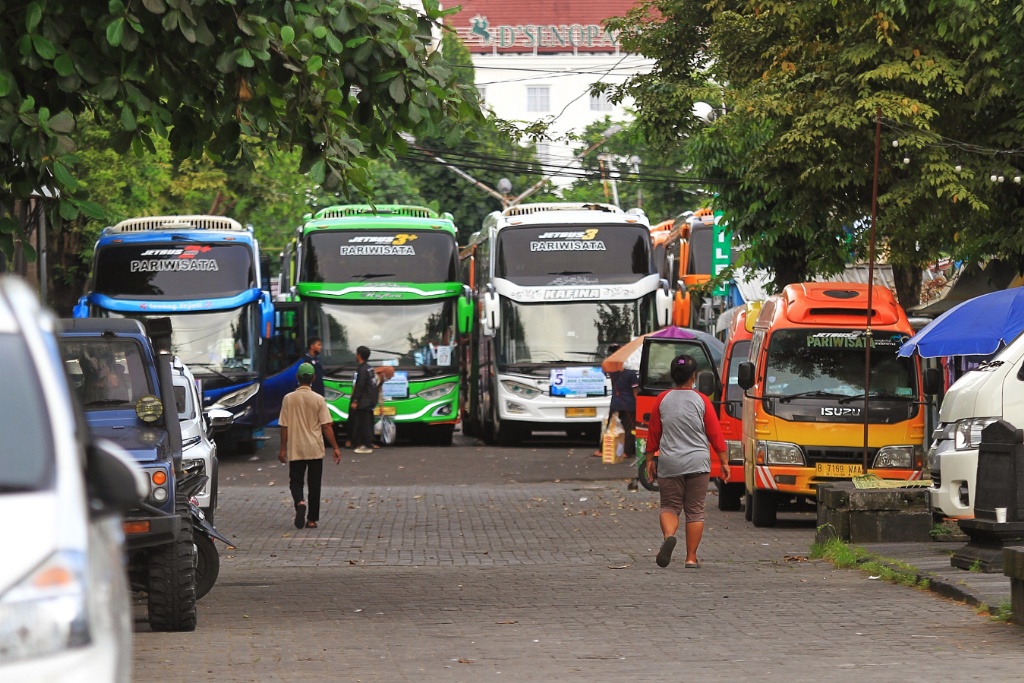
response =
{"points": [[844, 556], [1003, 612]]}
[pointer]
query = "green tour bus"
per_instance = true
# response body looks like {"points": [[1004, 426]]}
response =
{"points": [[385, 277]]}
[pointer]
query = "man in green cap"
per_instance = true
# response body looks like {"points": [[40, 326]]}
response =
{"points": [[305, 422]]}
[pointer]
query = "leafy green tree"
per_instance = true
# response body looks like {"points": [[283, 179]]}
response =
{"points": [[798, 86], [337, 80]]}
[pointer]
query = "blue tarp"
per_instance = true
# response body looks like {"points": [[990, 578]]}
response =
{"points": [[976, 327]]}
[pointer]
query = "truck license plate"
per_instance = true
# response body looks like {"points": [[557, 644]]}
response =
{"points": [[385, 410], [581, 412], [833, 469]]}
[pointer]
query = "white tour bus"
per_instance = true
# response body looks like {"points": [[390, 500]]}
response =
{"points": [[556, 285]]}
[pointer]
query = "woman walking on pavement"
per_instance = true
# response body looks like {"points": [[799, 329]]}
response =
{"points": [[682, 427]]}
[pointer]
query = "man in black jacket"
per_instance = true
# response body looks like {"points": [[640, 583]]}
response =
{"points": [[364, 400], [313, 348]]}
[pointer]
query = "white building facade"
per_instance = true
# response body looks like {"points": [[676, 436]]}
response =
{"points": [[537, 60]]}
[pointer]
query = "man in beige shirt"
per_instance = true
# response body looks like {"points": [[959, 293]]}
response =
{"points": [[305, 423]]}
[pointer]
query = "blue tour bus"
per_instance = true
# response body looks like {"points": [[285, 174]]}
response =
{"points": [[206, 275]]}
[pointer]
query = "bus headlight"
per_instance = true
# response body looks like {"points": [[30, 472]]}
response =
{"points": [[968, 432], [331, 395], [735, 451], [901, 457], [235, 398], [520, 390], [46, 612], [779, 453], [434, 393]]}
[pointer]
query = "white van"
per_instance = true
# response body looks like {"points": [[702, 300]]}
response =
{"points": [[992, 392], [65, 612]]}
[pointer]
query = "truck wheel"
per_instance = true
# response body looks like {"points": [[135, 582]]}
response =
{"points": [[748, 506], [764, 508], [207, 564], [729, 496], [172, 579]]}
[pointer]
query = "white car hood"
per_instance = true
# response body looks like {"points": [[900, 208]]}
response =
{"points": [[29, 533], [976, 394]]}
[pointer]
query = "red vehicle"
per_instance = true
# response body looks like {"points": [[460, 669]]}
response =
{"points": [[658, 350], [730, 414]]}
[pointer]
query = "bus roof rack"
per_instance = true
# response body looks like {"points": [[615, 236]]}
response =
{"points": [[198, 222], [526, 209], [343, 210]]}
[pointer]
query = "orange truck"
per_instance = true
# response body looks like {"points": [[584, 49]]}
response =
{"points": [[804, 404], [679, 245], [730, 413]]}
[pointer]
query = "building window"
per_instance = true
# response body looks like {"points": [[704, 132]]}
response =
{"points": [[600, 102], [538, 98]]}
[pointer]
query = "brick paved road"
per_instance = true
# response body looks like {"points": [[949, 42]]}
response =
{"points": [[448, 572]]}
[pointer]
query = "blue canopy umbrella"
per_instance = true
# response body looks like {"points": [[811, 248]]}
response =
{"points": [[976, 327]]}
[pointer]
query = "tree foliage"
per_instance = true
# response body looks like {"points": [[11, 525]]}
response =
{"points": [[339, 80], [798, 87]]}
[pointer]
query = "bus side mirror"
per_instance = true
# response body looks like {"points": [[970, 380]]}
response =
{"points": [[932, 381], [706, 383], [266, 316], [464, 314], [745, 375], [663, 304], [81, 309], [492, 312]]}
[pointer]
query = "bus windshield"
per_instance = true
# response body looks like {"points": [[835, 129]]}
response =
{"points": [[405, 335], [210, 343], [822, 363], [567, 333], [174, 271], [556, 255], [371, 256]]}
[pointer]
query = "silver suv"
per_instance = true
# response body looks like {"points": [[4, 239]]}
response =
{"points": [[65, 610]]}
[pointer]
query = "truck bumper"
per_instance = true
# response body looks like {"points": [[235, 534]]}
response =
{"points": [[145, 532]]}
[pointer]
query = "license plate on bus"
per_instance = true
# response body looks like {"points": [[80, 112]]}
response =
{"points": [[385, 410], [581, 412], [833, 469]]}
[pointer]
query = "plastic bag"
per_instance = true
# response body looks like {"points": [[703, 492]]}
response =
{"points": [[613, 441], [385, 429]]}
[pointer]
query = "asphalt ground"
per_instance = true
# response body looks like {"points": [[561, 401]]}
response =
{"points": [[536, 563]]}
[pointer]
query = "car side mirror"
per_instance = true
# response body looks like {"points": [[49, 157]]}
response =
{"points": [[218, 419], [745, 375], [706, 383], [113, 477], [932, 381]]}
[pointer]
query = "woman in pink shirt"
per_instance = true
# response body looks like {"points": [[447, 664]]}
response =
{"points": [[683, 427]]}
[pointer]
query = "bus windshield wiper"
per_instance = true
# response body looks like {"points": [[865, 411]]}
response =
{"points": [[336, 370], [574, 272], [371, 276], [860, 397], [211, 368], [804, 394]]}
